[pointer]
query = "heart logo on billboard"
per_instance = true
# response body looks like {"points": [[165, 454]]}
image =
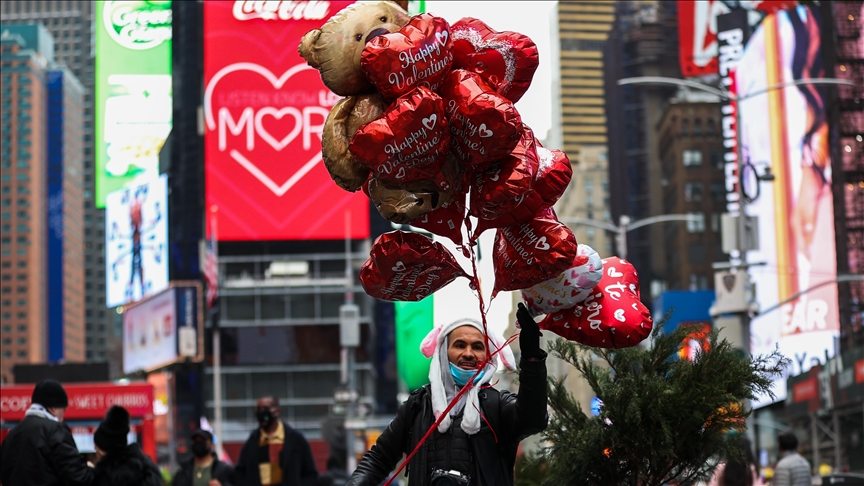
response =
{"points": [[253, 123]]}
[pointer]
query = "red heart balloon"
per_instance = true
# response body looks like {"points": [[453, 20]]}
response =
{"points": [[417, 55], [409, 142], [484, 126], [502, 187], [611, 317], [445, 221], [405, 266], [506, 60], [532, 252], [553, 176]]}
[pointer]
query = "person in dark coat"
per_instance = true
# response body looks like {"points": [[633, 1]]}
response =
{"points": [[275, 454], [121, 463], [40, 451], [475, 444], [204, 468]]}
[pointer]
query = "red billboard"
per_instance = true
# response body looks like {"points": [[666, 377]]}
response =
{"points": [[264, 109], [87, 401]]}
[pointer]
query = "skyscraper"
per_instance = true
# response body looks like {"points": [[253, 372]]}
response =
{"points": [[71, 24], [27, 106]]}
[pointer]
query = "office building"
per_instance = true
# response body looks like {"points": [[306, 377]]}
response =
{"points": [[71, 25], [43, 201], [691, 158]]}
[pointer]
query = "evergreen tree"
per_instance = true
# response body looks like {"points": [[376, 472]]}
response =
{"points": [[663, 419]]}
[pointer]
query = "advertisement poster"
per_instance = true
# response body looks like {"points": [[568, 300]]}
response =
{"points": [[162, 328], [788, 129], [136, 242], [264, 111], [133, 91]]}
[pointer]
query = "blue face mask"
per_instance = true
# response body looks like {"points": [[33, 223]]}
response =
{"points": [[461, 376]]}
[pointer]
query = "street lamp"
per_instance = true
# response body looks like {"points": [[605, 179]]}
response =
{"points": [[625, 225]]}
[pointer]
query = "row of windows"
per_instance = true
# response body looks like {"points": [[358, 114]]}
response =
{"points": [[21, 328], [8, 290], [20, 354], [8, 341], [697, 127], [21, 277], [20, 264]]}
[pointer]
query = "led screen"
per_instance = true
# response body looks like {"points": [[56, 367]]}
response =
{"points": [[136, 242], [133, 91], [788, 129], [264, 110]]}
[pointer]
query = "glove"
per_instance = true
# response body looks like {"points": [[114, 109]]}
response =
{"points": [[529, 337]]}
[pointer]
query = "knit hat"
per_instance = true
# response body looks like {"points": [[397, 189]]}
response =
{"points": [[50, 394], [112, 432]]}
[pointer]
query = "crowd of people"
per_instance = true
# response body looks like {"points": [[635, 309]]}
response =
{"points": [[477, 431]]}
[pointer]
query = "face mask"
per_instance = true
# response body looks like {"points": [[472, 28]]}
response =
{"points": [[461, 376], [200, 449], [264, 417]]}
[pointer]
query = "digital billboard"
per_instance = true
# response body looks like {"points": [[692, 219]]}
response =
{"points": [[163, 328], [136, 242], [264, 110], [133, 91], [787, 129]]}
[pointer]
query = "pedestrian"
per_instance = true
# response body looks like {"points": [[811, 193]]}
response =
{"points": [[121, 463], [275, 453], [476, 442], [204, 468], [792, 469], [40, 451], [737, 472]]}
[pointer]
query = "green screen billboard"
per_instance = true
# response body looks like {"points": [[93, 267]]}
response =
{"points": [[133, 91]]}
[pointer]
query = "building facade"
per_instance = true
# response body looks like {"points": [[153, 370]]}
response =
{"points": [[65, 202], [25, 58], [70, 22], [691, 157]]}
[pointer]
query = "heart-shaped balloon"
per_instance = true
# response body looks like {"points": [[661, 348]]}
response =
{"points": [[405, 266], [419, 54], [506, 60], [500, 188], [409, 142], [569, 288], [484, 126], [532, 252], [611, 317], [446, 221], [553, 176]]}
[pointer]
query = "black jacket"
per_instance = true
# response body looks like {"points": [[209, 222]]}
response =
{"points": [[127, 467], [219, 471], [41, 452], [298, 466], [513, 418]]}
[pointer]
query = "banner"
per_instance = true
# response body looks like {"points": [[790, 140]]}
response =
{"points": [[133, 91], [788, 129], [264, 110]]}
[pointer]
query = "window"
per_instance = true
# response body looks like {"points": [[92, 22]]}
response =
{"points": [[697, 224], [22, 340], [715, 222], [697, 127], [7, 341], [718, 192], [693, 192], [696, 253], [709, 127], [685, 126], [717, 159], [22, 354], [7, 328], [22, 277], [22, 327], [692, 158]]}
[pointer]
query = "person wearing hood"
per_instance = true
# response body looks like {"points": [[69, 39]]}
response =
{"points": [[204, 468], [275, 454], [40, 451], [121, 463], [476, 441]]}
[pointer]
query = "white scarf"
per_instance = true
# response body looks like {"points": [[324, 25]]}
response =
{"points": [[40, 411], [444, 389]]}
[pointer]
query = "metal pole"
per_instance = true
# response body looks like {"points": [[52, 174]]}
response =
{"points": [[217, 354], [348, 355], [742, 221], [623, 222]]}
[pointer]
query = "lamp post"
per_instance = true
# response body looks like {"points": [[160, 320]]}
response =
{"points": [[741, 242], [625, 225]]}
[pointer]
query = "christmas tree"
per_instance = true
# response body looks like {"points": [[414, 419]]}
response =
{"points": [[663, 419]]}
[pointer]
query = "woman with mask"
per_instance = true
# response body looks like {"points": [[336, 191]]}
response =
{"points": [[204, 468]]}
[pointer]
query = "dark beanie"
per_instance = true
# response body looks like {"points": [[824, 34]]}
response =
{"points": [[112, 432], [50, 394]]}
